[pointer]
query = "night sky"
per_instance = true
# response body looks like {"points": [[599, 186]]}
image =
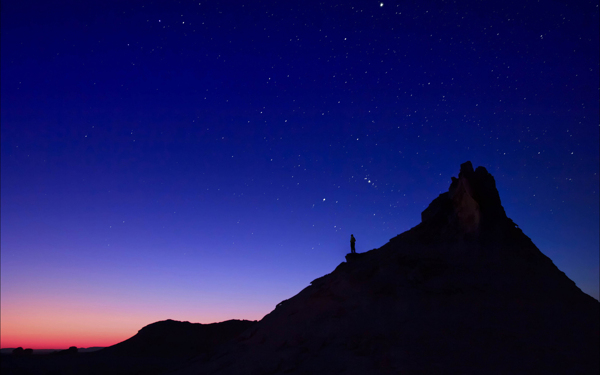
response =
{"points": [[203, 161]]}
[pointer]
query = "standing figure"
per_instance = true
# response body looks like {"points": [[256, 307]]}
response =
{"points": [[352, 242]]}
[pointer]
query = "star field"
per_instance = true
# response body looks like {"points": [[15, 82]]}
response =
{"points": [[203, 161]]}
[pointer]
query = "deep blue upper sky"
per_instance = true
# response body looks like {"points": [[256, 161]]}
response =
{"points": [[176, 148]]}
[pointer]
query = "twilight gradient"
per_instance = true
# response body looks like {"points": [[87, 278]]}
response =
{"points": [[204, 161]]}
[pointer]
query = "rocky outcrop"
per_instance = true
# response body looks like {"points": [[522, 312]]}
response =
{"points": [[352, 257], [471, 204], [463, 292]]}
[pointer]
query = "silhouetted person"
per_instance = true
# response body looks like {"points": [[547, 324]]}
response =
{"points": [[352, 242]]}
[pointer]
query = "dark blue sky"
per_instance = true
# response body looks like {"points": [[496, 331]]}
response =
{"points": [[223, 152]]}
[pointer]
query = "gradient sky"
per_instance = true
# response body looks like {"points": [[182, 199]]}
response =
{"points": [[205, 160]]}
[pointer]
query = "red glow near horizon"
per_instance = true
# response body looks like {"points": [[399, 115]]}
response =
{"points": [[55, 327], [54, 331], [214, 178]]}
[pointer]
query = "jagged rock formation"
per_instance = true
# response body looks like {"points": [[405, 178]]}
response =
{"points": [[471, 204], [171, 338], [463, 292]]}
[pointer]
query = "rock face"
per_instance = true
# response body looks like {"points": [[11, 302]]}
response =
{"points": [[463, 292], [471, 203]]}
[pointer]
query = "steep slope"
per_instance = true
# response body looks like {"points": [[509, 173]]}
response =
{"points": [[463, 292]]}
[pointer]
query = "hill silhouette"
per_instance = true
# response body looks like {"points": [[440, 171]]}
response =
{"points": [[171, 338], [463, 292], [152, 351]]}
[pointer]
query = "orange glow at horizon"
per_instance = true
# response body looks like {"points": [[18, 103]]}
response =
{"points": [[59, 324], [61, 332]]}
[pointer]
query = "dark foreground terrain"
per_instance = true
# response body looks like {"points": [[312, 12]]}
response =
{"points": [[84, 363], [463, 292], [153, 350]]}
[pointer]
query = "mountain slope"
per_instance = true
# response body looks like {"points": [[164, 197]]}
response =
{"points": [[464, 292]]}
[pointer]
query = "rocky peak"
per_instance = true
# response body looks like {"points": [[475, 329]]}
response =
{"points": [[471, 204], [463, 292]]}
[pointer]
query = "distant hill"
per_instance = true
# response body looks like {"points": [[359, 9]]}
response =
{"points": [[90, 349], [463, 292], [48, 351], [171, 338], [152, 351]]}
